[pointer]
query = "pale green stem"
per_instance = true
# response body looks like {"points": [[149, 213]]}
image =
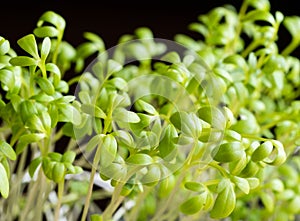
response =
{"points": [[74, 80], [91, 183], [59, 198], [117, 198], [251, 47], [168, 201], [133, 215], [32, 197], [15, 192], [59, 39], [291, 47]]}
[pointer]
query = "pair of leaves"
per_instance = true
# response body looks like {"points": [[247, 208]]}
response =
{"points": [[56, 28], [28, 43], [55, 165]]}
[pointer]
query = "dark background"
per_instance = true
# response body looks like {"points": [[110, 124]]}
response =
{"points": [[112, 19]]}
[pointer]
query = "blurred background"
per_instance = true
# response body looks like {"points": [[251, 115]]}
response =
{"points": [[111, 19]]}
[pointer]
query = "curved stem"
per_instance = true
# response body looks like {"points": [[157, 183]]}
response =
{"points": [[115, 202], [251, 47], [290, 48], [250, 136], [55, 54], [74, 80]]}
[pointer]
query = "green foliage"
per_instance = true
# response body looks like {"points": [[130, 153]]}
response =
{"points": [[210, 132]]}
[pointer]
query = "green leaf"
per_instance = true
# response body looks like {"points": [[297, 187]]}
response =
{"points": [[193, 205], [115, 171], [125, 137], [108, 150], [139, 159], [236, 167], [231, 135], [68, 157], [4, 183], [94, 38], [6, 166], [70, 114], [143, 123], [34, 123], [228, 152], [167, 144], [31, 138], [54, 156], [262, 151], [236, 60], [7, 78], [94, 142], [52, 68], [242, 184], [253, 182], [46, 46], [119, 83], [77, 170], [166, 186], [96, 217], [292, 23], [34, 165], [58, 172], [46, 119], [152, 176], [52, 18], [144, 33], [189, 124], [200, 28], [146, 107], [277, 185], [138, 51], [213, 116], [260, 4], [195, 186], [93, 110], [294, 205], [47, 166], [46, 85], [187, 41], [172, 57], [247, 125], [65, 99], [4, 46], [225, 203], [262, 15], [268, 201], [23, 61], [27, 109], [69, 167], [7, 150], [46, 31], [123, 115], [113, 66], [28, 44], [250, 170], [280, 155]]}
